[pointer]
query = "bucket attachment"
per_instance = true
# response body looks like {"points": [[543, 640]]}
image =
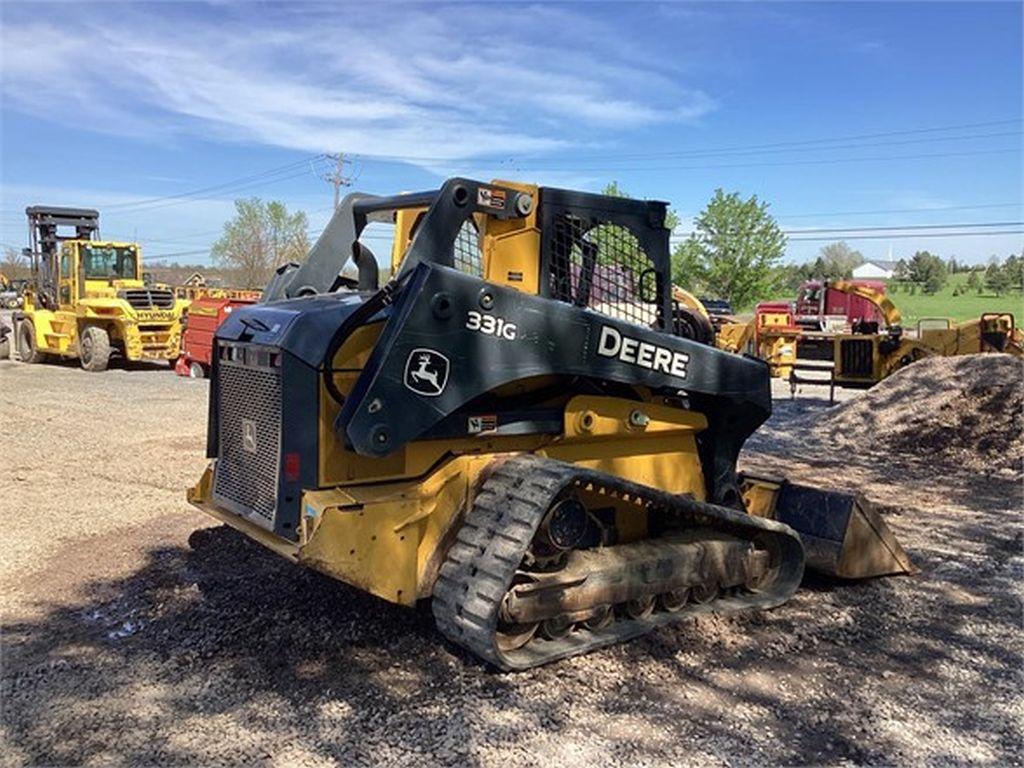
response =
{"points": [[842, 533]]}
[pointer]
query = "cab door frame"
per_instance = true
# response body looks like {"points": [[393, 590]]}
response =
{"points": [[68, 283]]}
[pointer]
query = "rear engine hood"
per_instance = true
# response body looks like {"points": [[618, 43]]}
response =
{"points": [[302, 327]]}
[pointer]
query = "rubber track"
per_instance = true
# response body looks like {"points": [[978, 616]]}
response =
{"points": [[497, 532]]}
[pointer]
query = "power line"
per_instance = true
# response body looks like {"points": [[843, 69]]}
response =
{"points": [[180, 199], [244, 181], [966, 226], [767, 164], [739, 148], [233, 189], [899, 210], [907, 235], [337, 177], [696, 154], [907, 226], [213, 187]]}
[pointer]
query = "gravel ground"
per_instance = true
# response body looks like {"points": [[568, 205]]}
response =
{"points": [[134, 631]]}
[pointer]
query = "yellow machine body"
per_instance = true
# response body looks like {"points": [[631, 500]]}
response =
{"points": [[769, 335], [864, 547], [84, 301], [385, 533], [864, 359], [688, 300]]}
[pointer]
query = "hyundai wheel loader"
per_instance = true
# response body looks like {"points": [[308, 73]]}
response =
{"points": [[511, 427]]}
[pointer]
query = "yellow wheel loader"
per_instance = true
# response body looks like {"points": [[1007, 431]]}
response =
{"points": [[511, 427], [87, 299]]}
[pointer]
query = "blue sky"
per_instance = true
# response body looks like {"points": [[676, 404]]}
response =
{"points": [[839, 115]]}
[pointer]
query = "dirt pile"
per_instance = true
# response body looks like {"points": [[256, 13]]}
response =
{"points": [[965, 411]]}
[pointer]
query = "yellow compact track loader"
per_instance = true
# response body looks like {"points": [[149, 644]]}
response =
{"points": [[87, 299], [515, 426]]}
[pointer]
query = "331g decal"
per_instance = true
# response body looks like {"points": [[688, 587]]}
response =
{"points": [[491, 325]]}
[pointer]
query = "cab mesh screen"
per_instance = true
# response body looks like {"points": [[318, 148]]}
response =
{"points": [[466, 252], [602, 266]]}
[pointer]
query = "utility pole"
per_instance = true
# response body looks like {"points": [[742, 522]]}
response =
{"points": [[336, 176]]}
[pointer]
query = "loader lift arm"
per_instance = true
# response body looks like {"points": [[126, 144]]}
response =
{"points": [[320, 272]]}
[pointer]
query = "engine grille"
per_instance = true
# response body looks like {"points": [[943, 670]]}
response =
{"points": [[249, 439], [856, 357], [815, 348], [148, 298]]}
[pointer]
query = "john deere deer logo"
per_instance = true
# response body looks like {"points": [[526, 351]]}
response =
{"points": [[249, 435], [426, 372]]}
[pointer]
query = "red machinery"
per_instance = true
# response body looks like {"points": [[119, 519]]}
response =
{"points": [[821, 307], [774, 315], [204, 315]]}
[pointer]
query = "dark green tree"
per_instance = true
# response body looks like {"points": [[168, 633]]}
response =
{"points": [[996, 278], [1014, 268], [902, 271], [973, 281], [928, 270]]}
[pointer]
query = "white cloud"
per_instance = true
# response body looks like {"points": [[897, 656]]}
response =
{"points": [[437, 82]]}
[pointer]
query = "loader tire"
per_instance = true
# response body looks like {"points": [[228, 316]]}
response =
{"points": [[94, 349], [5, 348], [28, 350], [692, 325]]}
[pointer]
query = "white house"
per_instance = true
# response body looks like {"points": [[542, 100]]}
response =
{"points": [[875, 269]]}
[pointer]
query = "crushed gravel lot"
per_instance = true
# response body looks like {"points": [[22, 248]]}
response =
{"points": [[137, 631]]}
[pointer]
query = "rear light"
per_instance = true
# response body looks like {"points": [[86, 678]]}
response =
{"points": [[291, 467]]}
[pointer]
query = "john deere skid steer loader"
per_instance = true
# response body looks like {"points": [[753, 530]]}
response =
{"points": [[511, 427]]}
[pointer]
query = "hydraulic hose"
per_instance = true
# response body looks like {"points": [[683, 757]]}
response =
{"points": [[362, 314]]}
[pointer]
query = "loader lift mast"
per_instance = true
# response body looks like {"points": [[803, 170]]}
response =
{"points": [[44, 225]]}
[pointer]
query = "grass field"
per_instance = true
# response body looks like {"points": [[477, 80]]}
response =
{"points": [[944, 304]]}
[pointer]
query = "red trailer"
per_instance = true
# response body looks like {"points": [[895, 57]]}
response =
{"points": [[204, 316]]}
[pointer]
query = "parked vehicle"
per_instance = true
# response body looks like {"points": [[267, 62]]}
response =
{"points": [[204, 316]]}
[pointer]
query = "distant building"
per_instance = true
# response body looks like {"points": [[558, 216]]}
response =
{"points": [[876, 269]]}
